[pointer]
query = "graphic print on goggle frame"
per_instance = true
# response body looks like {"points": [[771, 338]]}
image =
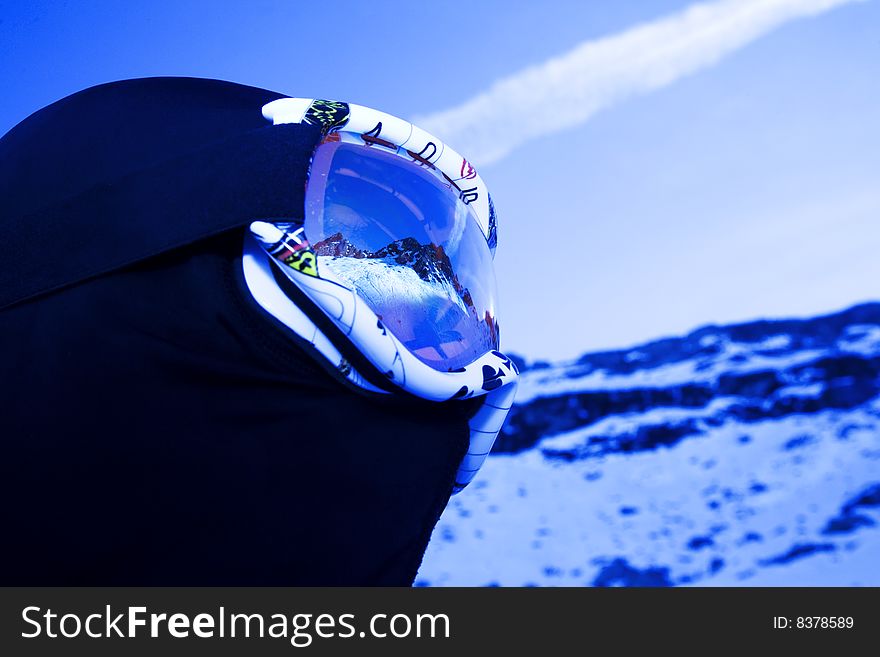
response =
{"points": [[492, 374]]}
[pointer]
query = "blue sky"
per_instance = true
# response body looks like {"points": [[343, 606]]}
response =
{"points": [[745, 188]]}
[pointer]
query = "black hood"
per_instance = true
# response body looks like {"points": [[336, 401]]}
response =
{"points": [[83, 180], [157, 426]]}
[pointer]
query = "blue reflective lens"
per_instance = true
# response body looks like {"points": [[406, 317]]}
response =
{"points": [[396, 232]]}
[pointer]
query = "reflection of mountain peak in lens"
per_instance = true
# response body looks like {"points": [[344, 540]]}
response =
{"points": [[407, 269], [337, 245], [429, 261]]}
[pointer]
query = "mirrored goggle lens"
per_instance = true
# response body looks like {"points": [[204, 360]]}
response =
{"points": [[397, 234]]}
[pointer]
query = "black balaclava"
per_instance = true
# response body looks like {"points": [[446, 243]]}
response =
{"points": [[157, 426]]}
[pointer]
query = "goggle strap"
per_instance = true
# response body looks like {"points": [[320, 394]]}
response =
{"points": [[484, 428]]}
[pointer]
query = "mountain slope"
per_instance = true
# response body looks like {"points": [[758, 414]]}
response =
{"points": [[743, 454]]}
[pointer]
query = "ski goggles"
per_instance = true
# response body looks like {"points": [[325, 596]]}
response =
{"points": [[394, 254], [396, 248]]}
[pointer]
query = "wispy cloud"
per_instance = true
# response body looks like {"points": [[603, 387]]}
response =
{"points": [[567, 90]]}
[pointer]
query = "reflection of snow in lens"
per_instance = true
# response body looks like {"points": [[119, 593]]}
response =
{"points": [[385, 284], [428, 316]]}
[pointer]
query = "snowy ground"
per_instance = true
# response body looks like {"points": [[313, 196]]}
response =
{"points": [[741, 505], [792, 500]]}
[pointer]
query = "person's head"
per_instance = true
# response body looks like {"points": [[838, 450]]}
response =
{"points": [[243, 415]]}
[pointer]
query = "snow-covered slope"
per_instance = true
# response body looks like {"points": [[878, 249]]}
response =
{"points": [[736, 455]]}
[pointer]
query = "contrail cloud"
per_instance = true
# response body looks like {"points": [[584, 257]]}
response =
{"points": [[567, 90]]}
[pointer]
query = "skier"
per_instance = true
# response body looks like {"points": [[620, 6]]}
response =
{"points": [[247, 339]]}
